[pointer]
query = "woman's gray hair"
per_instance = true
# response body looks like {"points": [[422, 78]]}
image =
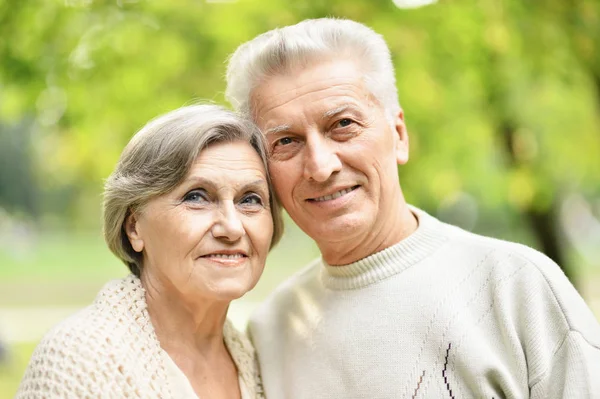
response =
{"points": [[159, 157], [283, 49]]}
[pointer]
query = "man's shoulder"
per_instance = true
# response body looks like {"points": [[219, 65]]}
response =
{"points": [[499, 258], [473, 242], [287, 294], [502, 257], [514, 264], [303, 279], [465, 244]]}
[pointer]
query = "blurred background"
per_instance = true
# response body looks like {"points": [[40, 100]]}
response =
{"points": [[501, 97]]}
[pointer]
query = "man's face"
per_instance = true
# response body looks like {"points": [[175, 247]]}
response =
{"points": [[333, 152]]}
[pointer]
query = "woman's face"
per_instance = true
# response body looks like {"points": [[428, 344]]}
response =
{"points": [[209, 237]]}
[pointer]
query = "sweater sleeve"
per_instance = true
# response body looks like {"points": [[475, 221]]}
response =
{"points": [[79, 359], [564, 342], [50, 374], [574, 371]]}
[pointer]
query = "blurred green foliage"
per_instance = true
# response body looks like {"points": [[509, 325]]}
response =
{"points": [[11, 376], [502, 98]]}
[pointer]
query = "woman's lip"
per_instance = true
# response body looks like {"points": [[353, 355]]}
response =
{"points": [[226, 253], [226, 260]]}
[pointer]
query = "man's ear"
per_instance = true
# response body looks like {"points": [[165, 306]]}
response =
{"points": [[401, 138], [133, 233]]}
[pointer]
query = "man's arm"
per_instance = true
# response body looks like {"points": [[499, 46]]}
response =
{"points": [[574, 371]]}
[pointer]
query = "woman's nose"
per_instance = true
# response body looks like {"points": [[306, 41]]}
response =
{"points": [[228, 225]]}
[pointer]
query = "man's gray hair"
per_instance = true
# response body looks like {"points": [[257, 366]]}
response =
{"points": [[160, 156], [281, 50]]}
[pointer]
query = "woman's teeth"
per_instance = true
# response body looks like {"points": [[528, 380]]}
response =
{"points": [[225, 256]]}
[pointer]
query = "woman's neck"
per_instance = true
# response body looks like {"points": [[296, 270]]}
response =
{"points": [[185, 325], [190, 331]]}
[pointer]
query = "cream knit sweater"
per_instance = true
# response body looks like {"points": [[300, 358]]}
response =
{"points": [[442, 314], [110, 350]]}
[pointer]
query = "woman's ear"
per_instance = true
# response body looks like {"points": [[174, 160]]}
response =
{"points": [[133, 233]]}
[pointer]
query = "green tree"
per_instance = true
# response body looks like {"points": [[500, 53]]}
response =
{"points": [[502, 98]]}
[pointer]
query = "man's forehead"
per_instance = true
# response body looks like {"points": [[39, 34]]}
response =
{"points": [[277, 122], [304, 87], [313, 97]]}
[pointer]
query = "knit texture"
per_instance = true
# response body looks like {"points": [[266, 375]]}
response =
{"points": [[443, 314], [110, 350]]}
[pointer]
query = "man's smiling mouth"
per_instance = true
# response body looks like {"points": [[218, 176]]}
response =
{"points": [[335, 195]]}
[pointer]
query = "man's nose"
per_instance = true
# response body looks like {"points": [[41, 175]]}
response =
{"points": [[320, 159], [228, 225]]}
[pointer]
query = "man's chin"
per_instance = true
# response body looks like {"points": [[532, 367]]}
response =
{"points": [[337, 229]]}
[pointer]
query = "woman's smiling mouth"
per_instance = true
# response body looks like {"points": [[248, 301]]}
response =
{"points": [[226, 258]]}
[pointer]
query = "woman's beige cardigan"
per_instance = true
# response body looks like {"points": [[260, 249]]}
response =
{"points": [[110, 350]]}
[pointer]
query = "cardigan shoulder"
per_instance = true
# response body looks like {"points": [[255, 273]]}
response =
{"points": [[108, 347]]}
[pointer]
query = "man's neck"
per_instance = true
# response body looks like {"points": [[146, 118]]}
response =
{"points": [[354, 248]]}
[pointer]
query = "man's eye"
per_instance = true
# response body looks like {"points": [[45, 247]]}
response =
{"points": [[252, 199], [195, 196], [345, 122], [284, 141]]}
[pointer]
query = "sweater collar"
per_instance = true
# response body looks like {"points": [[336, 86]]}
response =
{"points": [[427, 238]]}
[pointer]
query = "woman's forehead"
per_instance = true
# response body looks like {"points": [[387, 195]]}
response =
{"points": [[226, 164]]}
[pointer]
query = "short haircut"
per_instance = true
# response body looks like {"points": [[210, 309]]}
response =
{"points": [[281, 50], [159, 157]]}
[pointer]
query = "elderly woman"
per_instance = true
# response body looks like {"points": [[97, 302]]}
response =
{"points": [[189, 210]]}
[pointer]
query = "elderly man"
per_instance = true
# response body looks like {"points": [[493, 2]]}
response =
{"points": [[400, 305]]}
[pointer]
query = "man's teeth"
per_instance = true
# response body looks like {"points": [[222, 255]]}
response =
{"points": [[334, 195], [226, 256]]}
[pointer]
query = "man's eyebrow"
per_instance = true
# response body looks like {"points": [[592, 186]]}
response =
{"points": [[277, 129], [335, 111]]}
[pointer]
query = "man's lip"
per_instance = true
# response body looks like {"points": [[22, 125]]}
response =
{"points": [[333, 191]]}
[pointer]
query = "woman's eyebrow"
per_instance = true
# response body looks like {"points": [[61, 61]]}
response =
{"points": [[256, 184], [199, 180], [210, 184], [258, 187]]}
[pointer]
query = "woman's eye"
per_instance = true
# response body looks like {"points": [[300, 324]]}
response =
{"points": [[252, 199], [195, 196]]}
